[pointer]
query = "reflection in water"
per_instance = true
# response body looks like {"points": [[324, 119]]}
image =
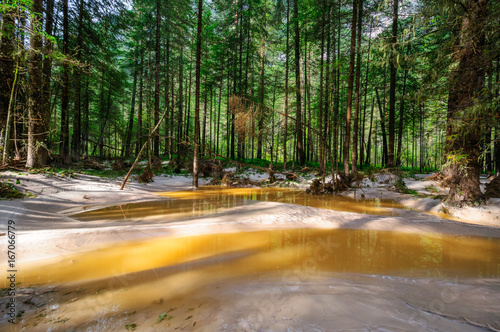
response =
{"points": [[137, 282], [210, 200], [304, 251]]}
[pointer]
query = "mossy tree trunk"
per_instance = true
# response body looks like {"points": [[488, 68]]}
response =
{"points": [[464, 107]]}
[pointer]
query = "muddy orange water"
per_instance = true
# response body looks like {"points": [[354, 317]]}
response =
{"points": [[304, 251], [189, 281], [138, 281], [213, 199]]}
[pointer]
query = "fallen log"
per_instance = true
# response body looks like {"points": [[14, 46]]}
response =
{"points": [[16, 165]]}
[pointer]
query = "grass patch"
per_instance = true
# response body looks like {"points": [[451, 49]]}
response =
{"points": [[8, 191], [432, 189], [371, 172], [109, 173], [69, 172], [131, 327], [402, 188], [162, 317]]}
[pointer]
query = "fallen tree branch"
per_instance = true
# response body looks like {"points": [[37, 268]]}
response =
{"points": [[99, 144], [142, 149], [16, 166]]}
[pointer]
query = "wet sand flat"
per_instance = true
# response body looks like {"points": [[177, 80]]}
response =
{"points": [[259, 266]]}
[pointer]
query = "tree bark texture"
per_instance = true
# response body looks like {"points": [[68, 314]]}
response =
{"points": [[197, 96], [6, 70], [356, 98], [300, 146], [38, 117], [464, 110], [392, 87], [347, 137], [64, 151]]}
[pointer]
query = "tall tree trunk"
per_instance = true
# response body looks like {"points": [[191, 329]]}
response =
{"points": [[331, 96], [197, 96], [466, 84], [350, 87], [401, 120], [305, 117], [156, 139], [210, 120], [272, 121], [141, 104], [487, 124], [127, 148], [102, 109], [204, 121], [47, 61], [356, 98], [496, 148], [322, 152], [247, 49], [180, 147], [170, 124], [102, 127], [218, 133], [86, 117], [38, 117], [167, 95], [287, 55], [369, 145], [8, 125], [77, 122], [261, 99], [6, 64], [229, 121], [422, 147], [362, 149], [336, 75], [64, 152], [7, 76], [392, 88], [382, 125], [299, 130], [308, 94], [240, 73]]}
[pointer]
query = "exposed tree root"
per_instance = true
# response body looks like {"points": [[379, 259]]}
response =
{"points": [[146, 176], [493, 188], [443, 180], [120, 165], [340, 183]]}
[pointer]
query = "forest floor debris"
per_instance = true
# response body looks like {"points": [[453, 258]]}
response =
{"points": [[493, 188], [8, 191]]}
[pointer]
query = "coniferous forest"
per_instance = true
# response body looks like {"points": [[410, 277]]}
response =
{"points": [[340, 86]]}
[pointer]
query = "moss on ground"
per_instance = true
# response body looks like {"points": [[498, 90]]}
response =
{"points": [[8, 191]]}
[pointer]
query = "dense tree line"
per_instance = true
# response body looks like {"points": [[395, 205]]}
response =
{"points": [[344, 84]]}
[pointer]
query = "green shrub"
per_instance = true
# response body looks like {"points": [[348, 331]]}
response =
{"points": [[402, 188]]}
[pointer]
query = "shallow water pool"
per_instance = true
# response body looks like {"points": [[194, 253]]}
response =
{"points": [[210, 200]]}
